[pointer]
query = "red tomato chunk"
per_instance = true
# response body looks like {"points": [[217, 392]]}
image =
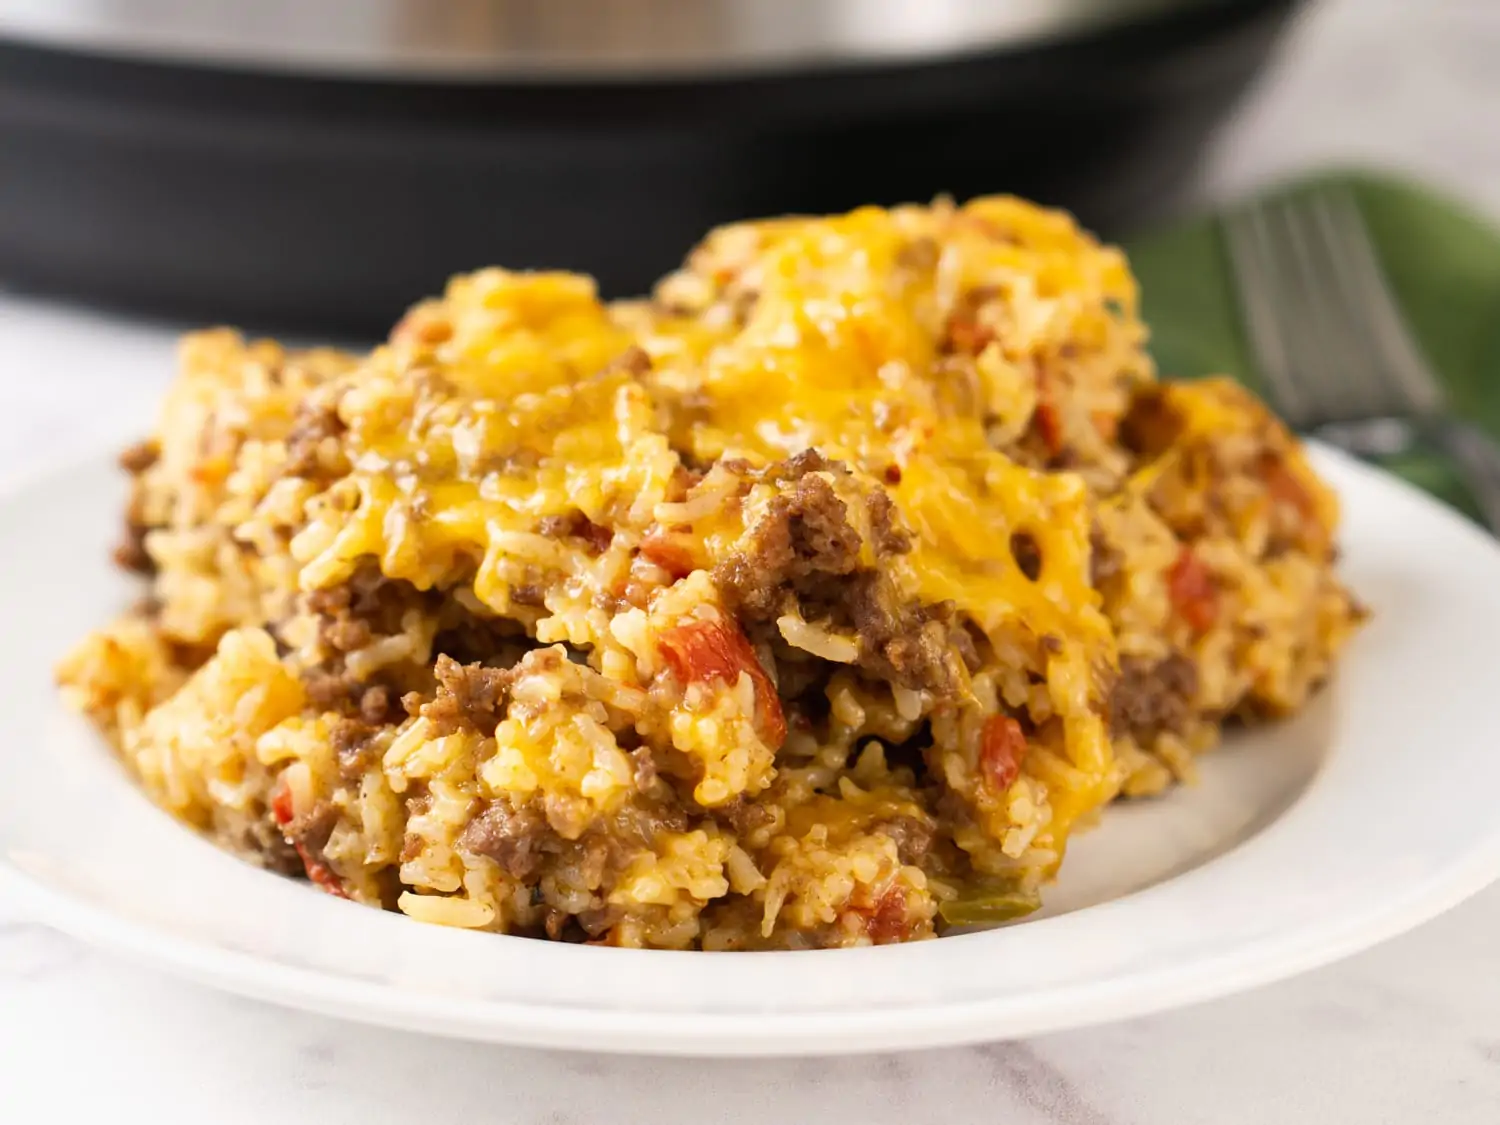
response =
{"points": [[1002, 747], [717, 652], [1192, 591]]}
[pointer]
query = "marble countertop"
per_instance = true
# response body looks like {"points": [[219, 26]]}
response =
{"points": [[1407, 1033]]}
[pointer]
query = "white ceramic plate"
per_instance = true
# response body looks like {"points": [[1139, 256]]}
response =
{"points": [[1369, 814]]}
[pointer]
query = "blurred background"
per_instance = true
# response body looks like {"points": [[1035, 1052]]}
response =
{"points": [[314, 167]]}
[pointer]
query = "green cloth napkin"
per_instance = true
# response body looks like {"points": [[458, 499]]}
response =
{"points": [[1444, 266]]}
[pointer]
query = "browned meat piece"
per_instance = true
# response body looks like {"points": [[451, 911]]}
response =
{"points": [[509, 836], [468, 695], [597, 920], [310, 833], [743, 816], [351, 744], [353, 615], [368, 603], [304, 445], [906, 644], [576, 525], [913, 838], [136, 459], [530, 594], [888, 538], [346, 633], [266, 841], [376, 705], [805, 555], [1151, 698], [328, 692], [131, 553], [804, 539]]}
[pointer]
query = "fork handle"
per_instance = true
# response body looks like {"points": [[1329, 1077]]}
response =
{"points": [[1477, 458]]}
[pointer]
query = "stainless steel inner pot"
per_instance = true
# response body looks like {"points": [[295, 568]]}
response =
{"points": [[316, 164], [556, 39]]}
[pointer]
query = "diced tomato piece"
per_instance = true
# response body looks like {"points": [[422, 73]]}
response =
{"points": [[1192, 591], [1049, 426], [716, 651], [660, 548], [281, 805], [967, 335], [703, 651], [1048, 422], [319, 873], [1001, 749], [887, 923]]}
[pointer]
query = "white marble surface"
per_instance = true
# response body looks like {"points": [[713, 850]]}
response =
{"points": [[1408, 1033]]}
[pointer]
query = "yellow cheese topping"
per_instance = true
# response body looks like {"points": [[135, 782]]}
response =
{"points": [[916, 345]]}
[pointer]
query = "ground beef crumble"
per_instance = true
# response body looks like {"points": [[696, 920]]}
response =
{"points": [[352, 738], [804, 554], [137, 458], [329, 691], [906, 644], [267, 843], [512, 837], [529, 594], [913, 838], [888, 537], [804, 537], [351, 616], [576, 525], [1150, 698], [313, 829], [304, 444], [469, 696], [131, 553], [367, 604], [743, 816]]}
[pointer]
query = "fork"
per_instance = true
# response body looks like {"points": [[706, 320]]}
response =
{"points": [[1338, 360]]}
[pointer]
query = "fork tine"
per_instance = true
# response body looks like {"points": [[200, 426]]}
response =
{"points": [[1250, 257], [1358, 272], [1357, 376], [1322, 339], [1316, 339], [1330, 338], [1347, 371], [1315, 302]]}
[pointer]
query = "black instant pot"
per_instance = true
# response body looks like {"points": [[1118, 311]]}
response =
{"points": [[318, 164]]}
